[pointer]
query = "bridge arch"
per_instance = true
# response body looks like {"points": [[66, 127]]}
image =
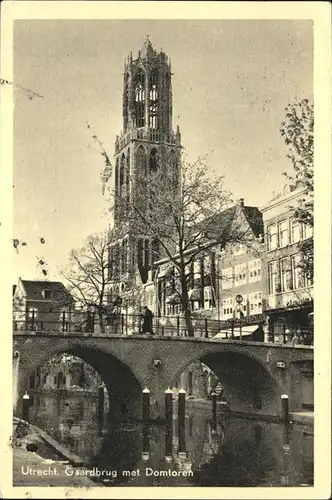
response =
{"points": [[247, 382], [123, 385]]}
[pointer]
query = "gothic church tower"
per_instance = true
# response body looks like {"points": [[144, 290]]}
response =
{"points": [[147, 142]]}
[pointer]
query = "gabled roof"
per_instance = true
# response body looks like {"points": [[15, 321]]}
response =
{"points": [[255, 219], [252, 214], [34, 290]]}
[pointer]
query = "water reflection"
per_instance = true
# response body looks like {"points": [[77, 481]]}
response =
{"points": [[228, 452]]}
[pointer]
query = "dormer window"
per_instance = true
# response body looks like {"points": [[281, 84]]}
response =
{"points": [[47, 294]]}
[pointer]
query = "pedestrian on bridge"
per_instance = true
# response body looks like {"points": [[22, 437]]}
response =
{"points": [[89, 322], [147, 321]]}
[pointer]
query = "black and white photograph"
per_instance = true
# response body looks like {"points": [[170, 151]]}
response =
{"points": [[162, 277]]}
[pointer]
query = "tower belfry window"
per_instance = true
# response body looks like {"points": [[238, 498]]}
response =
{"points": [[139, 99], [139, 93], [153, 115], [153, 86], [153, 97]]}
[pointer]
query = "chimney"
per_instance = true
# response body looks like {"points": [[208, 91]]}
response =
{"points": [[241, 202]]}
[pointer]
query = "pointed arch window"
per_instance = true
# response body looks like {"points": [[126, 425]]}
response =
{"points": [[153, 115], [153, 97], [139, 97], [122, 176], [153, 160], [139, 86], [141, 160], [173, 168]]}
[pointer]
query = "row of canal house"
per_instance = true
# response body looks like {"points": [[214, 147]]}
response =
{"points": [[42, 304], [277, 298]]}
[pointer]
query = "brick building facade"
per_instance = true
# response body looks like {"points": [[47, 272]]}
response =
{"points": [[288, 292]]}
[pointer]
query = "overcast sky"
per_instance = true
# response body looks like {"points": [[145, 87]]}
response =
{"points": [[231, 83]]}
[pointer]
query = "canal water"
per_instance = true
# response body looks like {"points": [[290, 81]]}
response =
{"points": [[238, 452]]}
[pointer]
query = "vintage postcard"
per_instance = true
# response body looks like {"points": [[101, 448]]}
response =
{"points": [[165, 171]]}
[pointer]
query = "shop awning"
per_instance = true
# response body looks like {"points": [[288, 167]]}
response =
{"points": [[227, 333]]}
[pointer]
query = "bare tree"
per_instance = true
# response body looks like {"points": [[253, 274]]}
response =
{"points": [[184, 211], [87, 275]]}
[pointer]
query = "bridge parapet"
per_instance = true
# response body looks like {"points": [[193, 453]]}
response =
{"points": [[244, 367]]}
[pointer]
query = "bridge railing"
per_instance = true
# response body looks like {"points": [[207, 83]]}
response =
{"points": [[87, 322], [113, 323]]}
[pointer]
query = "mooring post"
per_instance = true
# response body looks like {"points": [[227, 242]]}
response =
{"points": [[168, 443], [146, 443], [178, 326], [169, 407], [214, 411], [26, 407], [182, 420], [206, 328], [146, 405]]}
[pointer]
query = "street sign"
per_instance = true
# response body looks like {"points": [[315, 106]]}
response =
{"points": [[239, 298]]}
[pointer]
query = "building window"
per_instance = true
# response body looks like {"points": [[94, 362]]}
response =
{"points": [[227, 308], [272, 237], [295, 231], [207, 299], [272, 272], [255, 303], [283, 233], [306, 231], [308, 281], [286, 275], [240, 273], [197, 273], [254, 270], [227, 278], [297, 273], [32, 312]]}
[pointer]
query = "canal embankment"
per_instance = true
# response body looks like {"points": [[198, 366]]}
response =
{"points": [[39, 460]]}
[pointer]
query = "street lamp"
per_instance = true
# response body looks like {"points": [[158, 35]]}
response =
{"points": [[239, 300]]}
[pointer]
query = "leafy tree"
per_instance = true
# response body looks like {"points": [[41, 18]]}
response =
{"points": [[297, 131]]}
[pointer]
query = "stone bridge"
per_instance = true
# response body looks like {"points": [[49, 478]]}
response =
{"points": [[253, 374]]}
